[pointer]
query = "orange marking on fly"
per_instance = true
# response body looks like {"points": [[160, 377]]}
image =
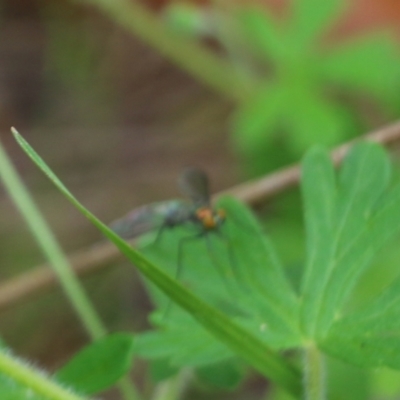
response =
{"points": [[209, 218]]}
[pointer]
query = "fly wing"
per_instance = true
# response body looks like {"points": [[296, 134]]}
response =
{"points": [[137, 222], [147, 218], [194, 184]]}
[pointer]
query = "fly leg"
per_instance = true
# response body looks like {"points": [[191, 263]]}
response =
{"points": [[181, 244], [223, 273], [178, 272], [161, 230], [159, 234], [234, 267], [233, 285]]}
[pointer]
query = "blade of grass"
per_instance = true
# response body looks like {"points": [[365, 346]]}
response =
{"points": [[238, 339], [40, 384], [52, 250], [50, 247]]}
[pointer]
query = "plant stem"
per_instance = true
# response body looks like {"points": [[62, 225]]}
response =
{"points": [[40, 384], [314, 374], [50, 247], [52, 251], [188, 54], [128, 389], [174, 388], [95, 257]]}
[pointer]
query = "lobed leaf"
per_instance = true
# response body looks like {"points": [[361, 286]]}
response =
{"points": [[99, 365], [262, 31], [368, 63], [369, 337], [238, 272], [319, 198], [363, 179], [234, 270], [312, 18], [196, 349], [255, 120], [338, 221], [315, 121], [223, 375]]}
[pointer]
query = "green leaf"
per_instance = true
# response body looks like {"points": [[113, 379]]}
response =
{"points": [[369, 63], [254, 121], [161, 369], [182, 350], [272, 309], [386, 220], [363, 180], [223, 328], [233, 271], [385, 383], [224, 375], [344, 378], [369, 337], [99, 365], [319, 198], [338, 220], [313, 120], [312, 18], [262, 32]]}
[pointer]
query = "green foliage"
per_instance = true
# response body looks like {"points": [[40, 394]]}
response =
{"points": [[294, 85], [186, 19], [19, 380], [348, 218], [345, 378], [250, 311], [250, 307], [346, 66], [12, 390], [370, 336], [161, 369], [239, 339], [181, 348], [340, 237], [93, 369], [224, 278], [386, 383], [224, 375], [347, 223], [219, 271], [99, 365], [297, 99], [312, 18]]}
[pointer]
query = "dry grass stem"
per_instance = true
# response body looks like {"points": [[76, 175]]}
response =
{"points": [[100, 255]]}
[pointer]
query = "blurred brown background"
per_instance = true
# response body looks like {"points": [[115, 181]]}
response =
{"points": [[117, 122]]}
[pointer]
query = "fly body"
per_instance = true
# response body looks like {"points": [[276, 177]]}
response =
{"points": [[196, 212], [169, 214]]}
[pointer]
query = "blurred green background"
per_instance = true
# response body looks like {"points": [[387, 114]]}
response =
{"points": [[118, 115]]}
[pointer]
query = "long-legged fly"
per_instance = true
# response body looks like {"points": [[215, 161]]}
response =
{"points": [[196, 212]]}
